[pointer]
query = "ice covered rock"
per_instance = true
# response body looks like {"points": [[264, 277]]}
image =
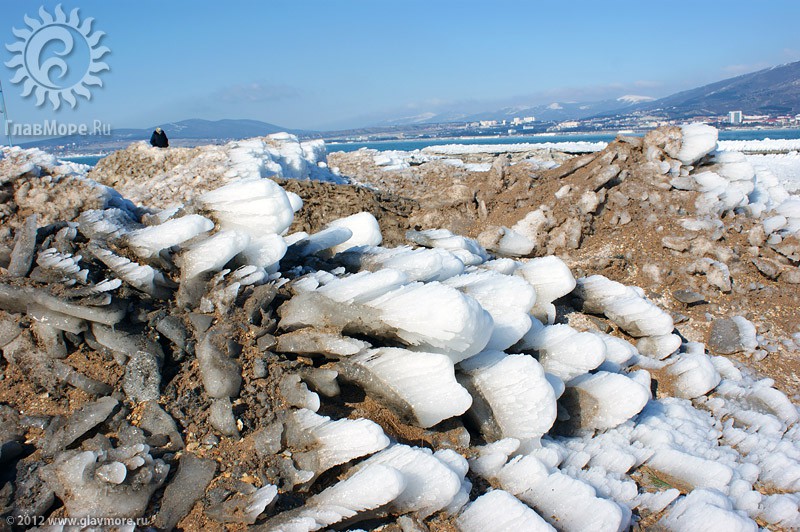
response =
{"points": [[564, 351], [371, 487], [624, 306], [315, 342], [491, 457], [430, 483], [707, 509], [420, 264], [659, 347], [63, 431], [211, 254], [603, 400], [420, 387], [511, 396], [318, 443], [562, 500], [89, 489], [429, 317], [364, 230], [698, 141], [499, 510], [147, 242], [551, 279], [508, 299], [506, 242], [221, 374], [732, 335], [245, 505], [189, 484], [693, 373], [689, 470], [466, 249]]}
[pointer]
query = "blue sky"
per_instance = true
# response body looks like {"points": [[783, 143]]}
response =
{"points": [[329, 64]]}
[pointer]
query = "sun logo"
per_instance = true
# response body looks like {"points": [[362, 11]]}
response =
{"points": [[55, 46]]}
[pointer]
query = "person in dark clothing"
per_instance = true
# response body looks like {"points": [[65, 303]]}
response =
{"points": [[159, 138]]}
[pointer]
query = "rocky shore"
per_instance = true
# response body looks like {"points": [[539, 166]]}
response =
{"points": [[258, 335]]}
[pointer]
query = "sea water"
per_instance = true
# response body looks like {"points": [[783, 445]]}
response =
{"points": [[418, 144]]}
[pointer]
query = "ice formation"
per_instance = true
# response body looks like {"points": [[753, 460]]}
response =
{"points": [[327, 357]]}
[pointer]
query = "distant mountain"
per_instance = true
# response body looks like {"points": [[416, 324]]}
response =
{"points": [[551, 112], [772, 91], [185, 132], [196, 128]]}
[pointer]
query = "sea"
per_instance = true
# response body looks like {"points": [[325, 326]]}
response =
{"points": [[418, 144]]}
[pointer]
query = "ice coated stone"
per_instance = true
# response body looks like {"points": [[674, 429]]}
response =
{"points": [[506, 242], [419, 264], [430, 483], [698, 140], [693, 373], [619, 353], [222, 376], [603, 400], [74, 477], [364, 286], [321, 241], [314, 342], [364, 230], [562, 500], [624, 306], [563, 351], [508, 299], [63, 431], [551, 279], [221, 417], [492, 457], [511, 396], [437, 318], [692, 471], [659, 347], [466, 249], [732, 335], [318, 443], [370, 487], [707, 509], [429, 317], [212, 253], [499, 510], [250, 205], [149, 241], [24, 247], [420, 387]]}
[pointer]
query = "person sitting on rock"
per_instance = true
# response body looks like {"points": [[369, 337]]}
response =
{"points": [[159, 138]]}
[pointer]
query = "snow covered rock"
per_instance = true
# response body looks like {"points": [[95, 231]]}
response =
{"points": [[603, 400]]}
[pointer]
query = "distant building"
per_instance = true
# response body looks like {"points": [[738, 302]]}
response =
{"points": [[735, 117], [488, 123], [524, 120]]}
